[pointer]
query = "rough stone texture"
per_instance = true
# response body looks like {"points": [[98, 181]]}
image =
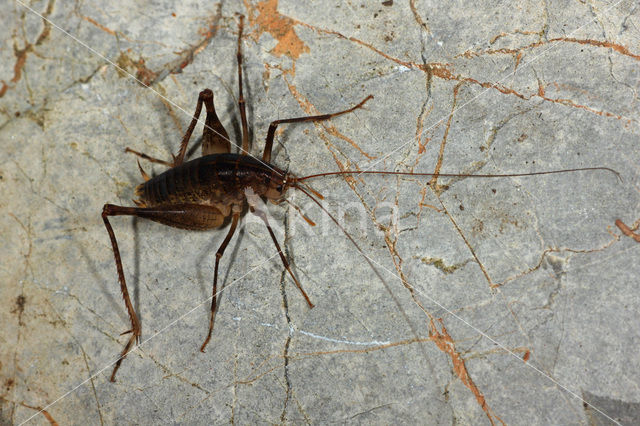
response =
{"points": [[524, 294]]}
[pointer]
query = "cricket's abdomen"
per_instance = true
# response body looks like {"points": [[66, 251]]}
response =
{"points": [[217, 180]]}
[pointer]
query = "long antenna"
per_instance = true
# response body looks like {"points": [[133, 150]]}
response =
{"points": [[376, 172]]}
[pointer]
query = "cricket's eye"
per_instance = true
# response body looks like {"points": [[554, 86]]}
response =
{"points": [[279, 188]]}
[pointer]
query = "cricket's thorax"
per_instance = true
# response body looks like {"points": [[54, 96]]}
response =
{"points": [[219, 180]]}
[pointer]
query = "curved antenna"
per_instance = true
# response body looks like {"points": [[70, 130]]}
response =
{"points": [[336, 222]]}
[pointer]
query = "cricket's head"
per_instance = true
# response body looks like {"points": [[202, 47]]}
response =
{"points": [[279, 184]]}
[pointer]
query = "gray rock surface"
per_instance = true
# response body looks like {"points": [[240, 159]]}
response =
{"points": [[491, 300]]}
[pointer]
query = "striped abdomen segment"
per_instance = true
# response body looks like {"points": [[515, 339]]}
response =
{"points": [[217, 179]]}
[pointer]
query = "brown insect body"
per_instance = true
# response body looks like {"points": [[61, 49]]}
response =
{"points": [[200, 194], [217, 180]]}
